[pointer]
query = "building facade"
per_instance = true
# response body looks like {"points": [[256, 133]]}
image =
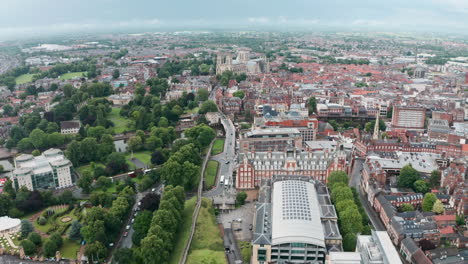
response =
{"points": [[50, 170], [242, 64]]}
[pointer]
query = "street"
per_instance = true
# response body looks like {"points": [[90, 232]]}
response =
{"points": [[354, 181], [7, 259], [228, 155]]}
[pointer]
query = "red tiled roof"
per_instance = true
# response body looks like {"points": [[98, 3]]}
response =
{"points": [[446, 230], [444, 217]]}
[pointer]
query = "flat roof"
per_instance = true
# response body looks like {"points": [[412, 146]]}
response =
{"points": [[386, 245], [296, 213]]}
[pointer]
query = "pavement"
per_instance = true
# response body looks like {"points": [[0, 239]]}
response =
{"points": [[354, 181], [138, 163], [231, 249], [246, 213]]}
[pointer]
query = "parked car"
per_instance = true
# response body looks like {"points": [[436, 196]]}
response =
{"points": [[125, 234], [127, 227]]}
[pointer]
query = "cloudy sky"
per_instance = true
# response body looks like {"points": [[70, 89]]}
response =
{"points": [[41, 17]]}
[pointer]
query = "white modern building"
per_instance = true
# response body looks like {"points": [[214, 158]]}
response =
{"points": [[9, 225], [377, 249], [294, 222], [49, 170]]}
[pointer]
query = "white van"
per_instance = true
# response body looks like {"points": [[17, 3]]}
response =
{"points": [[221, 179]]}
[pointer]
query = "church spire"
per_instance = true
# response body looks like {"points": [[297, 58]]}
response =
{"points": [[376, 127]]}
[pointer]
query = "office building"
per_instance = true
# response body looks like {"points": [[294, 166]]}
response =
{"points": [[50, 170], [270, 139]]}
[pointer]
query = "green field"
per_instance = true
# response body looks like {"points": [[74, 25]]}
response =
{"points": [[120, 123], [184, 232], [207, 244], [72, 75], [210, 173], [193, 111], [87, 167], [143, 156], [246, 250], [218, 147], [25, 78], [69, 248]]}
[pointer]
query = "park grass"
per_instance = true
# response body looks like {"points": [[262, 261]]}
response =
{"points": [[218, 146], [210, 173], [143, 156], [207, 256], [246, 250], [72, 75], [87, 167], [69, 249], [207, 244], [120, 123], [50, 222], [25, 78], [183, 233], [192, 111]]}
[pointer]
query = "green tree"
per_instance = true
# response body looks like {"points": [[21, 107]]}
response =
{"points": [[75, 231], [460, 220], [96, 251], [239, 94], [124, 255], [89, 149], [28, 247], [349, 242], [438, 207], [428, 202], [73, 152], [163, 122], [36, 152], [153, 250], [103, 182], [94, 231], [312, 104], [434, 180], [26, 228], [369, 127], [25, 144], [208, 106], [202, 95], [351, 221], [85, 181], [420, 186], [153, 143], [141, 226], [408, 175], [407, 207], [116, 163], [345, 204], [35, 238], [338, 176], [240, 198], [135, 143], [172, 173], [116, 74], [38, 138], [341, 193]]}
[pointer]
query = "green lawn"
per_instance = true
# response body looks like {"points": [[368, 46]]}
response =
{"points": [[87, 167], [210, 173], [25, 78], [69, 248], [143, 156], [72, 75], [207, 256], [246, 250], [193, 111], [218, 146], [50, 222], [120, 123], [184, 232], [207, 244]]}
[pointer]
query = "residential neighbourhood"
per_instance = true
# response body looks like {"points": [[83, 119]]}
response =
{"points": [[234, 146]]}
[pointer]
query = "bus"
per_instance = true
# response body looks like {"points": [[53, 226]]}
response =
{"points": [[221, 179], [226, 182]]}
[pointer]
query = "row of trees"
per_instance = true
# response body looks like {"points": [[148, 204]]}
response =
{"points": [[102, 226], [351, 218], [32, 241]]}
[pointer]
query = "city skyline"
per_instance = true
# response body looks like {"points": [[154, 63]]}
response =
{"points": [[28, 18]]}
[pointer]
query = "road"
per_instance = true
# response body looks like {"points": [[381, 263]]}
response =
{"points": [[354, 181], [228, 155], [126, 242]]}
